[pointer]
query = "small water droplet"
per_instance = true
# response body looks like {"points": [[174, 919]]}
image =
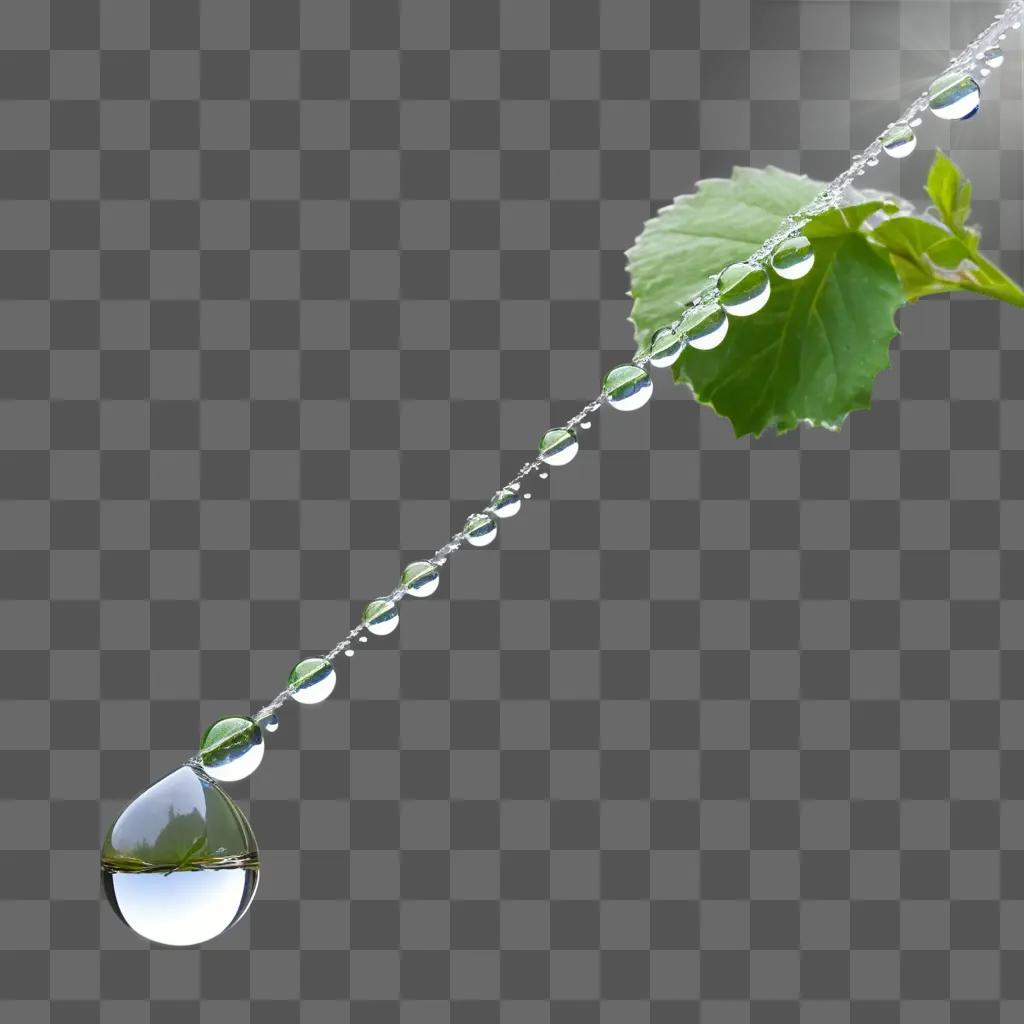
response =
{"points": [[704, 327], [666, 346], [312, 680], [380, 617], [916, 122], [270, 724], [514, 487], [994, 57], [505, 503], [985, 72], [350, 653], [363, 640], [231, 749], [743, 289], [1002, 36], [527, 496], [1016, 24], [420, 579], [872, 161], [543, 476], [480, 529], [586, 425], [627, 387], [180, 864], [558, 446], [954, 96], [899, 141], [793, 258]]}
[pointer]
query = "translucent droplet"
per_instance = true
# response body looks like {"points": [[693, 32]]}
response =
{"points": [[793, 258], [705, 326], [955, 96], [350, 653], [872, 161], [743, 288], [586, 425], [420, 579], [231, 749], [480, 529], [180, 864], [994, 57], [627, 387], [312, 680], [558, 446], [985, 72], [916, 122], [1016, 24], [380, 617], [270, 724], [899, 141], [527, 497], [363, 640], [666, 346], [543, 476], [505, 503]]}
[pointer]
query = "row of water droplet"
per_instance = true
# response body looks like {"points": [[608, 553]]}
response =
{"points": [[233, 748]]}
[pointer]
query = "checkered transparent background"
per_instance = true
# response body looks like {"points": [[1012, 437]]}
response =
{"points": [[718, 730]]}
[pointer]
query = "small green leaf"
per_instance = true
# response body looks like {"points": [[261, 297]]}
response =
{"points": [[931, 258], [951, 194]]}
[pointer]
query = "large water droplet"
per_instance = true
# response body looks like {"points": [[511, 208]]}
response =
{"points": [[793, 258], [743, 288], [666, 346], [899, 141], [231, 749], [420, 579], [480, 529], [180, 864], [558, 446], [312, 680], [954, 96], [380, 617], [704, 326], [627, 387], [505, 503], [994, 57]]}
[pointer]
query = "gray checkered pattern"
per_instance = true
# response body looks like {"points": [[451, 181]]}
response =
{"points": [[718, 731]]}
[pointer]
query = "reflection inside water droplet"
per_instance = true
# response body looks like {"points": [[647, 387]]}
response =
{"points": [[627, 387], [793, 258], [380, 617], [954, 96], [180, 864], [899, 141], [744, 289], [480, 530], [420, 579]]}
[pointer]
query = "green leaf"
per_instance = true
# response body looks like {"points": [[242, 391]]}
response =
{"points": [[951, 194], [931, 257], [698, 235], [812, 354]]}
